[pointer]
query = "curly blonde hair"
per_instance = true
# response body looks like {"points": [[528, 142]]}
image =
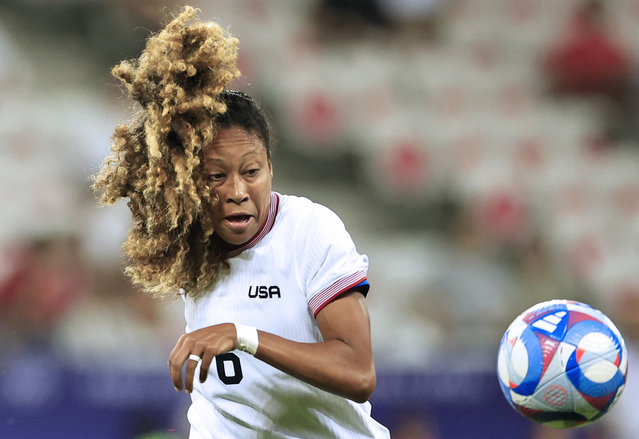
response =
{"points": [[155, 160]]}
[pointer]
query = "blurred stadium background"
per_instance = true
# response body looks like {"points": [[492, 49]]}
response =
{"points": [[479, 170]]}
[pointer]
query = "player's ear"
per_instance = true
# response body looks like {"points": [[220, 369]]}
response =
{"points": [[270, 168]]}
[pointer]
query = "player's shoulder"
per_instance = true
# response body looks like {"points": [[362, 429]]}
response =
{"points": [[302, 206], [303, 210]]}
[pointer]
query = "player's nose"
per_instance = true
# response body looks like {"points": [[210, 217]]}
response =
{"points": [[237, 191]]}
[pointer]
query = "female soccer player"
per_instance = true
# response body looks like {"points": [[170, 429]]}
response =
{"points": [[277, 341]]}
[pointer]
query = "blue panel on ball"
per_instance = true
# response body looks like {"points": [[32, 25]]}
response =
{"points": [[573, 368], [535, 363], [552, 323], [585, 327], [588, 387]]}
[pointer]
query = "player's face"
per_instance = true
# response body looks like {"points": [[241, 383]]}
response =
{"points": [[240, 173]]}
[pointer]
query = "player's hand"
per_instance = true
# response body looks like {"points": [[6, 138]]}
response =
{"points": [[206, 343]]}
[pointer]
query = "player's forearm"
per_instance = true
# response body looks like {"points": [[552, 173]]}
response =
{"points": [[333, 365]]}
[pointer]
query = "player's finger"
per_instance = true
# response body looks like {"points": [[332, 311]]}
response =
{"points": [[176, 363], [191, 364], [176, 353], [207, 359]]}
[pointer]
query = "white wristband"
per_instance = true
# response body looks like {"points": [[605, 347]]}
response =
{"points": [[247, 339]]}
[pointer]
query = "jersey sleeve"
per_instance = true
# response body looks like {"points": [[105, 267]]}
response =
{"points": [[332, 263]]}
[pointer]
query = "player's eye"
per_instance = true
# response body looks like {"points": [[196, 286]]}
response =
{"points": [[252, 172], [215, 178]]}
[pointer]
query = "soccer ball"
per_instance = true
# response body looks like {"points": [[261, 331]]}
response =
{"points": [[562, 363]]}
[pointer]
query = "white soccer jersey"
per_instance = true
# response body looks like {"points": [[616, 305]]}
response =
{"points": [[278, 281]]}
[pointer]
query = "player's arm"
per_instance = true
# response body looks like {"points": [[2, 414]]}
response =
{"points": [[341, 364]]}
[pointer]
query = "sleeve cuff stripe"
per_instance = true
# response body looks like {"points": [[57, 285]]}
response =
{"points": [[324, 297]]}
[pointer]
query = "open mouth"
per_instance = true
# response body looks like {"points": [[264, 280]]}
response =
{"points": [[238, 219]]}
